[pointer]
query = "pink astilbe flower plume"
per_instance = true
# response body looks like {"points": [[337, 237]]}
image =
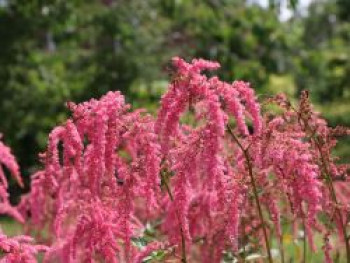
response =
{"points": [[19, 249], [212, 176], [109, 158], [296, 173], [8, 161], [196, 154]]}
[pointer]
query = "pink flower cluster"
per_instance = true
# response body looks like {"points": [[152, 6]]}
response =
{"points": [[198, 175], [8, 160], [205, 179], [86, 196], [20, 248]]}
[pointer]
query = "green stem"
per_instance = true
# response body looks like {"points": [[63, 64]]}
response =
{"points": [[255, 191], [335, 200], [281, 248], [183, 240], [330, 185], [244, 252], [304, 243]]}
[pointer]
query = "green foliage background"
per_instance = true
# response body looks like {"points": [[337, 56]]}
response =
{"points": [[55, 51]]}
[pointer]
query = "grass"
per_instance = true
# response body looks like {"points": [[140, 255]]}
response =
{"points": [[10, 227]]}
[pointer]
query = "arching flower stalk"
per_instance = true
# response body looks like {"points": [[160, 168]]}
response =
{"points": [[321, 140], [19, 248], [255, 191], [212, 175], [109, 158], [271, 154], [196, 154], [8, 160]]}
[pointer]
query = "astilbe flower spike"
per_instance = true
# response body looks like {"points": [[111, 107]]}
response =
{"points": [[196, 154], [321, 140], [211, 174], [109, 158], [8, 160], [19, 248], [295, 171]]}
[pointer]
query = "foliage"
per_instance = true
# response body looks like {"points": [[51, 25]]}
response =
{"points": [[323, 63], [54, 52], [55, 49]]}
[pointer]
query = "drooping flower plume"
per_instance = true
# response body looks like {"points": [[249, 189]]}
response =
{"points": [[214, 175], [8, 161]]}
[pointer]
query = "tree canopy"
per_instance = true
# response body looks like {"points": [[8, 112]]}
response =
{"points": [[56, 51]]}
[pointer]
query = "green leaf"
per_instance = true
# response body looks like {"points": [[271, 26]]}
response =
{"points": [[293, 4]]}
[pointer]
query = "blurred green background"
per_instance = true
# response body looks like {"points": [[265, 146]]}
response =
{"points": [[55, 51]]}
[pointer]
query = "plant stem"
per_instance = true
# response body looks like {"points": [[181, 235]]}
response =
{"points": [[243, 229], [304, 242], [281, 248], [335, 200], [330, 185], [255, 191], [183, 240]]}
